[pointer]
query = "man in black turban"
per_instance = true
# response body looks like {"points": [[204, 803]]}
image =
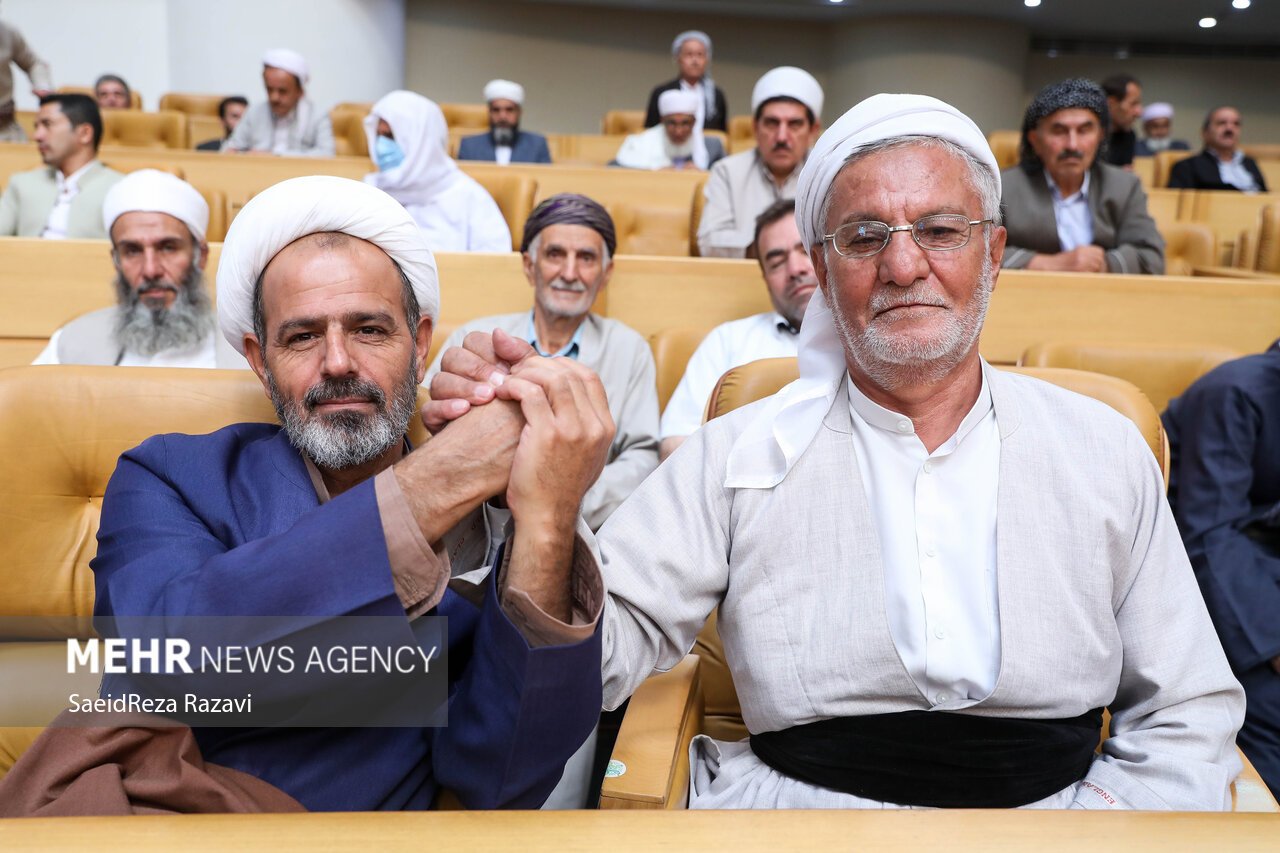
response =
{"points": [[1066, 210]]}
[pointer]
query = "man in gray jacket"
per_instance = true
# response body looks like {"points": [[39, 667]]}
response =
{"points": [[288, 124]]}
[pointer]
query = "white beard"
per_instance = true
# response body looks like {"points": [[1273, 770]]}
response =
{"points": [[677, 152]]}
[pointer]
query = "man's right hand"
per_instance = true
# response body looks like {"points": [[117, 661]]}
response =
{"points": [[1080, 259], [470, 374]]}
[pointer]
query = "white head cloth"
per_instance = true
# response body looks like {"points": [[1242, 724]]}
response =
{"points": [[787, 81], [422, 134], [496, 90], [783, 428], [677, 102], [1160, 109], [153, 191], [288, 60], [292, 209], [696, 35]]}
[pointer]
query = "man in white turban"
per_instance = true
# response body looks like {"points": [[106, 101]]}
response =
{"points": [[163, 316], [787, 108], [288, 123], [329, 525], [506, 142], [1157, 127], [691, 51], [676, 143], [931, 576], [409, 143]]}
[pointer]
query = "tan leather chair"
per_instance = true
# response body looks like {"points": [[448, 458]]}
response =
{"points": [[742, 131], [651, 229], [172, 168], [514, 194], [191, 103], [1164, 163], [622, 121], [202, 128], [672, 348], [1165, 206], [349, 139], [1228, 213], [1005, 145], [589, 149], [137, 129], [466, 115], [1262, 150], [1145, 169], [1188, 245], [362, 107], [695, 217], [219, 218], [1267, 257], [135, 100]]}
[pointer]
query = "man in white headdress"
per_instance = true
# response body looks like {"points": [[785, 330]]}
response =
{"points": [[676, 143], [691, 51], [932, 576], [506, 142], [409, 143], [787, 108], [1157, 129], [288, 123], [163, 315]]}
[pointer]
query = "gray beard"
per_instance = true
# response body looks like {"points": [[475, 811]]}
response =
{"points": [[182, 325], [677, 152], [1159, 144], [504, 135], [347, 439]]}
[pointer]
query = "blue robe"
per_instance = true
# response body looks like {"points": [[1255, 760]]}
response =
{"points": [[529, 148], [229, 523], [1224, 485]]}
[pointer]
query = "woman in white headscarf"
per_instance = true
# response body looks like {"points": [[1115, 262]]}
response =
{"points": [[408, 142]]}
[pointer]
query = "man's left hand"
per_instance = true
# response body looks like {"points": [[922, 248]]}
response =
{"points": [[470, 374]]}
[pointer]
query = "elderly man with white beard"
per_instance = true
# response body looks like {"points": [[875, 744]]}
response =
{"points": [[674, 143], [932, 576]]}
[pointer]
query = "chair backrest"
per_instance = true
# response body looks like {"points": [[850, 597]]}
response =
{"points": [[514, 194], [137, 129], [622, 121], [348, 132], [1145, 169], [172, 168], [672, 349], [1005, 145], [1228, 212], [695, 217], [742, 129], [651, 229], [191, 103], [466, 115], [1164, 163], [202, 128], [1267, 258], [1262, 150], [1188, 245], [1165, 206], [135, 100], [588, 149]]}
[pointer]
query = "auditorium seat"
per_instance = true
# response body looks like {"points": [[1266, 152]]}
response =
{"points": [[466, 115], [1228, 213], [136, 129], [672, 348], [349, 138], [1005, 145], [622, 121], [135, 100], [172, 168], [202, 128], [191, 103], [742, 131], [1262, 150], [1145, 169], [588, 149], [1188, 245], [514, 194], [1166, 205], [651, 229], [1164, 163]]}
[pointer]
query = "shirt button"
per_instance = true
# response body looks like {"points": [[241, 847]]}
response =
{"points": [[940, 634], [943, 697], [929, 551], [928, 466], [904, 426]]}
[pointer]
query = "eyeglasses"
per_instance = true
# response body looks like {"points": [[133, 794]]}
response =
{"points": [[940, 232]]}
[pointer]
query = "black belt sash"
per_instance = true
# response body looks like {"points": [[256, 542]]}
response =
{"points": [[936, 758]]}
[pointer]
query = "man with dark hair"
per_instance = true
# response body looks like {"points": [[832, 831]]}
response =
{"points": [[1064, 209], [230, 111], [113, 93], [789, 277], [1221, 165], [1124, 103], [506, 142], [63, 200], [14, 49], [787, 104]]}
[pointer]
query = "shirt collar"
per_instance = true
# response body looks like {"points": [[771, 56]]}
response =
{"points": [[768, 176], [899, 424], [572, 349], [1082, 194], [784, 325], [72, 181]]}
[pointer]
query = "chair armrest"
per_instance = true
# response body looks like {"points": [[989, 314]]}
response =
{"points": [[1249, 793], [653, 742], [1232, 272]]}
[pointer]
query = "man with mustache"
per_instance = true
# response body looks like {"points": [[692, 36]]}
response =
{"points": [[1221, 165], [567, 248], [1064, 208], [163, 316], [790, 280]]}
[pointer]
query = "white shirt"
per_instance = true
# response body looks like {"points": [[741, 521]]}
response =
{"points": [[202, 354], [1075, 222], [935, 518], [697, 89], [728, 345], [1233, 172], [502, 154], [55, 227], [280, 130]]}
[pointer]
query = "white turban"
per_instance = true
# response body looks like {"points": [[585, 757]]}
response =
{"points": [[288, 60], [696, 35], [503, 90], [153, 191], [783, 429], [292, 209], [788, 82], [678, 101], [1160, 109]]}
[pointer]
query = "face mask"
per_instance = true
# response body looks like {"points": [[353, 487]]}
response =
{"points": [[388, 153]]}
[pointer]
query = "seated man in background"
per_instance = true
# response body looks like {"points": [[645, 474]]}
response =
{"points": [[1221, 165], [112, 93], [230, 111], [1224, 486], [568, 258], [790, 280], [505, 142], [64, 200], [1124, 106], [163, 316], [1064, 208], [1157, 127], [692, 52], [288, 124], [787, 107], [676, 143]]}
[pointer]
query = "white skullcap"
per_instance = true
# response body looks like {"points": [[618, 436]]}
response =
{"points": [[678, 101], [288, 60], [880, 117], [153, 191], [1160, 109], [696, 35], [292, 209], [787, 81], [503, 90]]}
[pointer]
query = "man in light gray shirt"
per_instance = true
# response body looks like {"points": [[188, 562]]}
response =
{"points": [[288, 124]]}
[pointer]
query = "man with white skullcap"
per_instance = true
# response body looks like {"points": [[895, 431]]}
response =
{"points": [[691, 51], [930, 576], [329, 289], [1157, 125], [288, 123], [163, 315], [787, 108], [676, 143], [505, 142]]}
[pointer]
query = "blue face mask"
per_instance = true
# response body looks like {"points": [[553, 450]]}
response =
{"points": [[388, 153]]}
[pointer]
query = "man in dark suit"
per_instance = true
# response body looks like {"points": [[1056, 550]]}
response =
{"points": [[1221, 165], [692, 52], [505, 142]]}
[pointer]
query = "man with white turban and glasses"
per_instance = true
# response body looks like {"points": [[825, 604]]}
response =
{"points": [[409, 143], [691, 51], [288, 123], [932, 576], [329, 289], [506, 142]]}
